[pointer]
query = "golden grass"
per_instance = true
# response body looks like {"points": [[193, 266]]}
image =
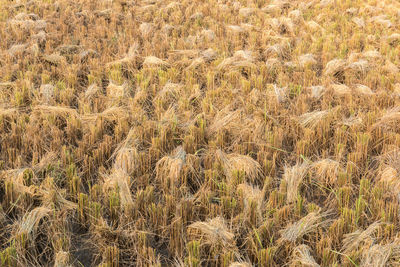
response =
{"points": [[311, 222], [199, 133]]}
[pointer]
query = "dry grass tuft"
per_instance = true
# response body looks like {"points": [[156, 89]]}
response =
{"points": [[240, 59], [353, 241], [168, 168], [364, 90], [236, 162], [389, 119], [302, 255], [311, 222], [340, 89], [312, 119], [326, 170], [293, 178], [30, 222], [120, 180], [335, 67], [213, 232], [380, 255], [152, 61]]}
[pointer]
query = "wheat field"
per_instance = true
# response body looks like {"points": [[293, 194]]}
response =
{"points": [[200, 133]]}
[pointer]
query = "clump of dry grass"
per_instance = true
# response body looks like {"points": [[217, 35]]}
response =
{"points": [[236, 162], [30, 222], [119, 179], [214, 232], [354, 240], [327, 170], [311, 222], [361, 66], [335, 67], [340, 89], [252, 195], [312, 119], [389, 119], [51, 196], [224, 120], [126, 159], [240, 59], [56, 110], [364, 90], [302, 255], [307, 60], [169, 92], [152, 61], [380, 255], [293, 178], [169, 168], [55, 59]]}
